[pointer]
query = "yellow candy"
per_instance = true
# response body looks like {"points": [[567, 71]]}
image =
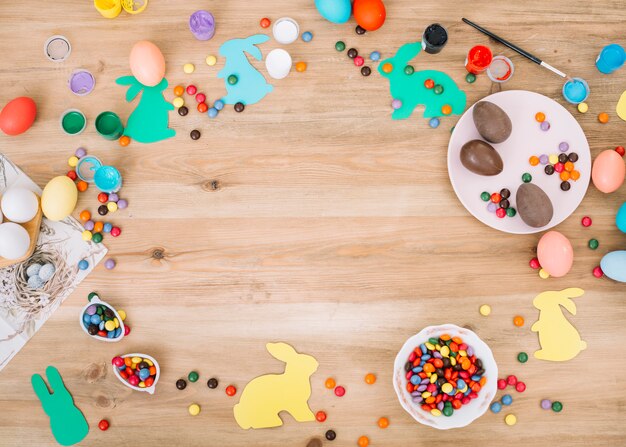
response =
{"points": [[543, 274], [122, 314], [142, 385], [452, 361], [435, 412], [510, 419], [149, 362], [178, 102], [188, 68], [446, 387], [109, 325], [136, 359], [445, 351], [211, 60], [438, 347], [433, 378], [464, 389], [194, 409], [554, 159], [583, 107], [430, 346], [86, 235], [73, 161], [112, 207], [485, 310], [426, 394], [116, 322], [462, 353]]}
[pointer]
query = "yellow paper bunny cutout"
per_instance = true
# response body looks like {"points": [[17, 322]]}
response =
{"points": [[266, 396], [559, 339]]}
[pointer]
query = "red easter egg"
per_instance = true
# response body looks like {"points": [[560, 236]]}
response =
{"points": [[18, 115], [369, 14]]}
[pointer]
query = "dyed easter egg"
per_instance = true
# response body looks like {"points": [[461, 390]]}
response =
{"points": [[613, 265], [58, 198], [336, 11], [608, 171], [369, 14], [18, 115], [492, 123], [620, 218], [481, 158], [534, 205], [147, 63], [555, 253]]}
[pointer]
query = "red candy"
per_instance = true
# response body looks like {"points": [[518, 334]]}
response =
{"points": [[191, 89], [511, 380], [200, 98], [586, 221], [620, 150], [340, 391], [320, 416], [520, 387], [72, 175], [265, 22], [103, 197], [501, 213], [118, 361], [534, 263], [231, 390], [597, 272], [559, 167], [133, 380], [103, 425], [115, 231], [358, 61], [126, 330], [429, 83]]}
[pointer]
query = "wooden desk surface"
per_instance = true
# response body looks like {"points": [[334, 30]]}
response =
{"points": [[311, 218]]}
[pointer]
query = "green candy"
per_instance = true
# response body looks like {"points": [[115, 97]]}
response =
{"points": [[438, 89], [522, 357], [470, 78], [99, 310], [526, 177], [485, 196], [232, 79], [340, 46], [91, 296], [193, 376], [511, 212], [557, 406], [593, 244], [409, 70], [97, 237], [447, 411]]}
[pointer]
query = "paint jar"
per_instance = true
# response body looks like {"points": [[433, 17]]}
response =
{"points": [[109, 125], [285, 30], [576, 91], [106, 178], [108, 8], [57, 48], [434, 38], [501, 69], [202, 25], [81, 82], [611, 58], [73, 121], [478, 59]]}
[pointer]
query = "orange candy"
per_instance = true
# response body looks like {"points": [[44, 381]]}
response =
{"points": [[84, 215], [179, 90], [231, 390], [574, 175], [603, 117], [98, 227], [265, 22], [446, 109], [330, 383], [202, 107], [370, 379], [300, 66], [564, 175], [383, 422], [387, 67], [445, 337], [363, 441], [518, 321], [568, 166], [534, 160], [429, 368], [82, 186], [320, 416], [124, 141], [540, 117]]}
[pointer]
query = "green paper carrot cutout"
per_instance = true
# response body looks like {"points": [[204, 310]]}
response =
{"points": [[67, 423]]}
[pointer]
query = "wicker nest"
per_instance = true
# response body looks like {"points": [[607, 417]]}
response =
{"points": [[32, 301]]}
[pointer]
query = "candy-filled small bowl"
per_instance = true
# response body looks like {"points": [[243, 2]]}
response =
{"points": [[465, 396], [139, 372], [102, 321]]}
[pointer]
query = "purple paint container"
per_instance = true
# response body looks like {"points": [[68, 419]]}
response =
{"points": [[81, 82], [202, 24]]}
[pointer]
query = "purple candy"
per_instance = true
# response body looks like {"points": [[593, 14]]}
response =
{"points": [[421, 388], [437, 355], [396, 104], [89, 225], [113, 197], [91, 310], [425, 381], [492, 207], [80, 152], [563, 146], [122, 203], [440, 406], [546, 404], [416, 393], [545, 126], [470, 351], [418, 399], [109, 264], [543, 159]]}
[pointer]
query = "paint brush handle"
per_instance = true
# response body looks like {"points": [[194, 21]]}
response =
{"points": [[504, 42]]}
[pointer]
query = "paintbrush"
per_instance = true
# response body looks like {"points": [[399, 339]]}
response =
{"points": [[518, 50]]}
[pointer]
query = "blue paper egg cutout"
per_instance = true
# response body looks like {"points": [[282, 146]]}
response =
{"points": [[613, 265], [336, 11], [620, 218]]}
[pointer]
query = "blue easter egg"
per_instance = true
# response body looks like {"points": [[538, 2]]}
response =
{"points": [[336, 11], [620, 218], [613, 265]]}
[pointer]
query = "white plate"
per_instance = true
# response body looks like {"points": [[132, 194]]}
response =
{"points": [[526, 139], [466, 414]]}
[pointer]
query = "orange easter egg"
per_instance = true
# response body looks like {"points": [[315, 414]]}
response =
{"points": [[147, 63], [608, 171], [369, 14]]}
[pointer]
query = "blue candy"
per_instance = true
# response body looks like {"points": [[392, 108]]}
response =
{"points": [[121, 368], [476, 378], [507, 399], [212, 112], [83, 264], [496, 407], [219, 104], [426, 357], [423, 348], [375, 56], [111, 334], [417, 369], [95, 319], [307, 36], [107, 227], [118, 332], [460, 384], [434, 123], [415, 380], [144, 373], [86, 319], [101, 325]]}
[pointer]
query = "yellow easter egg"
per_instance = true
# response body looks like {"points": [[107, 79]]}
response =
{"points": [[59, 197]]}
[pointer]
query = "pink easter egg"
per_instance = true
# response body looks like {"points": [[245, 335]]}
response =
{"points": [[608, 171], [555, 254], [147, 63]]}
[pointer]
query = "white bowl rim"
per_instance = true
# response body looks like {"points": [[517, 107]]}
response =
{"points": [[97, 300], [149, 390], [476, 408]]}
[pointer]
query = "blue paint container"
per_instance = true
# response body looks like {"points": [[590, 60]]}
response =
{"points": [[611, 58], [576, 91]]}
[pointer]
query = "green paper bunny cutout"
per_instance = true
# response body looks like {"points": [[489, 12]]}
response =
{"points": [[149, 121], [66, 421]]}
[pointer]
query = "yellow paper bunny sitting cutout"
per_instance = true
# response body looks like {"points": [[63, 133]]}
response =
{"points": [[559, 339], [266, 396]]}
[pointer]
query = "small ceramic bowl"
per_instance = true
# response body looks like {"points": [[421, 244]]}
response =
{"points": [[150, 389], [466, 414], [97, 301]]}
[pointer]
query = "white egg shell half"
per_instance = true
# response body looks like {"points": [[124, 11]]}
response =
{"points": [[19, 205], [14, 240]]}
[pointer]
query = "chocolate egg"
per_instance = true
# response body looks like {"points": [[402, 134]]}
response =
{"points": [[481, 158], [492, 123], [533, 205]]}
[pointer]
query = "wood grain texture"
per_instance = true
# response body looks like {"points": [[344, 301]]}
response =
{"points": [[311, 218]]}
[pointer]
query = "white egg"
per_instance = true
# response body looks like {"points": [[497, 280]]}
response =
{"points": [[14, 240], [19, 205]]}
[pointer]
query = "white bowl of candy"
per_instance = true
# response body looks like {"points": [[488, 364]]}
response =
{"points": [[101, 321], [467, 387], [137, 371]]}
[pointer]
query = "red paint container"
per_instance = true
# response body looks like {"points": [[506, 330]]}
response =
{"points": [[478, 59]]}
